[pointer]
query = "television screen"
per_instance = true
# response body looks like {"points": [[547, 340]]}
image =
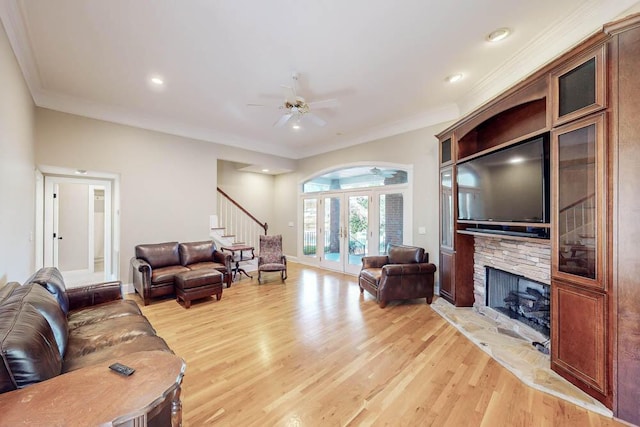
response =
{"points": [[509, 185]]}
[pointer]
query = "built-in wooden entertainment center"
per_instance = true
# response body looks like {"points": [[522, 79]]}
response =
{"points": [[588, 101]]}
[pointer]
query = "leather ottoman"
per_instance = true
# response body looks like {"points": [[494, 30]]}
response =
{"points": [[196, 284]]}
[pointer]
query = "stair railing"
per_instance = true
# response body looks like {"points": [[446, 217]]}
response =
{"points": [[575, 218], [239, 222]]}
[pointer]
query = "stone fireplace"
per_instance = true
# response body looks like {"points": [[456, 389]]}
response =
{"points": [[527, 259]]}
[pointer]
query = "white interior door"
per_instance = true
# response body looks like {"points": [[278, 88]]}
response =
{"points": [[77, 230]]}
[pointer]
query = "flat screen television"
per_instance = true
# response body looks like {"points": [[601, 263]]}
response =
{"points": [[509, 185]]}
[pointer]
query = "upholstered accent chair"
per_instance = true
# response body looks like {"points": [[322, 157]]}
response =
{"points": [[405, 273], [271, 258]]}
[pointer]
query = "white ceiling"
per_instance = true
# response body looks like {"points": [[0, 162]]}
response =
{"points": [[384, 61]]}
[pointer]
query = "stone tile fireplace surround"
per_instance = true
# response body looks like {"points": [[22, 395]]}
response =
{"points": [[525, 258]]}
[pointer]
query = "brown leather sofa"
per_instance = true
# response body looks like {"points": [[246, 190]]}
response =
{"points": [[405, 273], [156, 265], [47, 330]]}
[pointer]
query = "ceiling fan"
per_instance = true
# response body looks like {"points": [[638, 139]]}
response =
{"points": [[382, 173], [297, 109]]}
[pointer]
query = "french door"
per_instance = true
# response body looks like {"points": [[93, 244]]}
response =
{"points": [[340, 228]]}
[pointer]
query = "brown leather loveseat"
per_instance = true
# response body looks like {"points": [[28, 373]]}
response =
{"points": [[156, 265], [405, 273]]}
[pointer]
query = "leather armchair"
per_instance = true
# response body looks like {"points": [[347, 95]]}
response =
{"points": [[405, 273]]}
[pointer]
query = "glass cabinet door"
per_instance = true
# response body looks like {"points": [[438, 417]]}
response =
{"points": [[579, 88], [578, 207], [446, 208]]}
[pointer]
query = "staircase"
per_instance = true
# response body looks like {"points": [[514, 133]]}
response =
{"points": [[576, 222], [235, 225]]}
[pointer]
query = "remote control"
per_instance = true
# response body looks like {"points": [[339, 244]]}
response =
{"points": [[122, 369]]}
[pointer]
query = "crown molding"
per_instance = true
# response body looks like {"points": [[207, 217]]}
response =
{"points": [[557, 39], [13, 22], [422, 120]]}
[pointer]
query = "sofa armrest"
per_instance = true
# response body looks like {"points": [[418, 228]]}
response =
{"points": [[94, 294], [404, 269], [141, 278], [374, 261], [223, 258]]}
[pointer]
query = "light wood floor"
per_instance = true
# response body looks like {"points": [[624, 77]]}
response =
{"points": [[316, 352]]}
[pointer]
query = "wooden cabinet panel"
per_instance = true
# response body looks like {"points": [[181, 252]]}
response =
{"points": [[578, 346], [447, 275], [625, 261]]}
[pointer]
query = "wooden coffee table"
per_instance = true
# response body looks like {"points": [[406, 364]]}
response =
{"points": [[95, 395]]}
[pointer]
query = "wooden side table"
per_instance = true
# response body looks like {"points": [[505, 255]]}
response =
{"points": [[95, 395], [241, 257]]}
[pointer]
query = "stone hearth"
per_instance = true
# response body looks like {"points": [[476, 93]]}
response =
{"points": [[504, 339], [515, 353]]}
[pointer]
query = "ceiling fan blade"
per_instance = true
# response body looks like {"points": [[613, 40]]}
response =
{"points": [[289, 94], [315, 119], [325, 103], [282, 120]]}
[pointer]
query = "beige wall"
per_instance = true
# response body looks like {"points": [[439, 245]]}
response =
{"points": [[417, 148], [254, 191], [167, 183], [17, 179]]}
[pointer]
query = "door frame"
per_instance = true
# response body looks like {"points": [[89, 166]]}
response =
{"points": [[112, 205], [373, 194]]}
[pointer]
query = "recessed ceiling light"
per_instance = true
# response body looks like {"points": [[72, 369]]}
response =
{"points": [[265, 170], [295, 126], [157, 81], [81, 172], [499, 34], [454, 78]]}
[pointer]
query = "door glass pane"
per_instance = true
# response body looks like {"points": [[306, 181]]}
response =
{"points": [[391, 221], [577, 88], [309, 227], [446, 207], [332, 228], [577, 202], [358, 228], [446, 151]]}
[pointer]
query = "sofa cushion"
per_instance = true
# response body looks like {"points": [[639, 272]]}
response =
{"points": [[165, 275], [405, 254], [159, 254], [98, 313], [371, 274], [97, 336], [28, 350], [114, 352], [7, 289], [46, 304], [194, 252], [208, 266], [51, 279]]}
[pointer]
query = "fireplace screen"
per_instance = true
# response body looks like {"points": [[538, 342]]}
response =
{"points": [[520, 299]]}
